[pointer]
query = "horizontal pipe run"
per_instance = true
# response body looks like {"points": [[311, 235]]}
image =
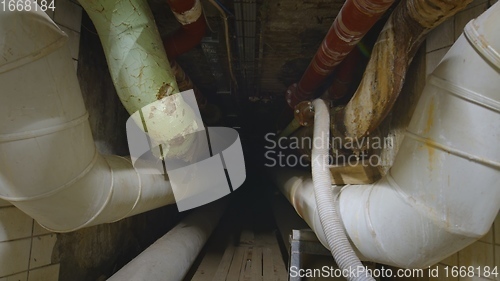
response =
{"points": [[171, 256]]}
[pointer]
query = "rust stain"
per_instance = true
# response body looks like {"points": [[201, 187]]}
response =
{"points": [[165, 90]]}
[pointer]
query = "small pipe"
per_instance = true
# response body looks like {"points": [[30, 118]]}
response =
{"points": [[290, 129], [189, 14], [228, 43], [353, 21]]}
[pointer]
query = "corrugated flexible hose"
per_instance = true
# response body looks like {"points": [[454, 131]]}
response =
{"points": [[341, 249]]}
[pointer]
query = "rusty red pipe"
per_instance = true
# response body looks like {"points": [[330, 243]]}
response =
{"points": [[189, 14], [353, 21], [345, 75]]}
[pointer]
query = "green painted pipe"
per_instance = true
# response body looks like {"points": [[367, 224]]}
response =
{"points": [[140, 69]]}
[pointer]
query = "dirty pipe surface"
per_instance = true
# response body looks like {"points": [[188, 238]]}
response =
{"points": [[354, 20], [396, 46], [140, 69], [189, 14]]}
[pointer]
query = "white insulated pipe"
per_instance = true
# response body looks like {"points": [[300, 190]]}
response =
{"points": [[171, 256], [442, 192], [49, 167]]}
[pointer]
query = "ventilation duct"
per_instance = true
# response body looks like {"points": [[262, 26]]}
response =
{"points": [[50, 168], [443, 185]]}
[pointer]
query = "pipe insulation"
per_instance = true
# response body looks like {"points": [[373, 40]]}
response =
{"points": [[141, 71], [391, 56], [49, 166], [326, 200], [442, 192], [171, 256]]}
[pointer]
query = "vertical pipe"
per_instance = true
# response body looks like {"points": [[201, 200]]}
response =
{"points": [[137, 62], [140, 69]]}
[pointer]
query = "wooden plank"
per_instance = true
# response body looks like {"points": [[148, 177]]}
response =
{"points": [[212, 258], [270, 241], [236, 264], [246, 269], [207, 269], [225, 264], [267, 265], [257, 264]]}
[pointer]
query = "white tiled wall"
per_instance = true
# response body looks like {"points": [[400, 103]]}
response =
{"points": [[485, 252], [25, 247], [23, 252]]}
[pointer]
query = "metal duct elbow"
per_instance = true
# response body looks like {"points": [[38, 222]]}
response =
{"points": [[49, 167], [442, 192]]}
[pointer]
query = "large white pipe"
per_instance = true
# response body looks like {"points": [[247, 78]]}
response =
{"points": [[49, 167], [171, 256], [442, 192]]}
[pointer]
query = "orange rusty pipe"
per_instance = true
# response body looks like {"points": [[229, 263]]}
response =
{"points": [[189, 13], [353, 21]]}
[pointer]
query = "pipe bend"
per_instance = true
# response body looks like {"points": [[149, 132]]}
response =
{"points": [[442, 183], [53, 172], [193, 27], [441, 193]]}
